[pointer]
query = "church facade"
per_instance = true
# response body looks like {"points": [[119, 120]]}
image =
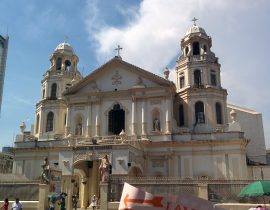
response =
{"points": [[145, 124]]}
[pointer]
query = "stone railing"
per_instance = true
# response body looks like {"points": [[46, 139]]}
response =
{"points": [[205, 57]]}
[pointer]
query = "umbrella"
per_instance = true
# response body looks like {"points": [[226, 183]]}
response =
{"points": [[256, 189]]}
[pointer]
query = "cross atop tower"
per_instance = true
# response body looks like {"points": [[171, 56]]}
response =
{"points": [[65, 38], [194, 20], [118, 50]]}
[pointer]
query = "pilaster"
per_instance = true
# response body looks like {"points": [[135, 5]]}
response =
{"points": [[203, 191], [133, 117], [43, 196], [88, 121], [67, 187], [168, 116], [103, 195], [97, 128], [143, 119]]}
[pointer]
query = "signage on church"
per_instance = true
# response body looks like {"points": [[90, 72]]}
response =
{"points": [[135, 199]]}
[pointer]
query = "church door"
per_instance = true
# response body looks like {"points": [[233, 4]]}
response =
{"points": [[116, 120]]}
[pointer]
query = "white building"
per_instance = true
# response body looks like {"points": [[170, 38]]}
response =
{"points": [[146, 124], [3, 59]]}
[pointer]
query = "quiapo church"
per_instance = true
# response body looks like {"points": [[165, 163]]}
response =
{"points": [[142, 124]]}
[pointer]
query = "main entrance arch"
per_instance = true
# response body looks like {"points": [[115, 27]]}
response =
{"points": [[86, 176], [85, 180]]}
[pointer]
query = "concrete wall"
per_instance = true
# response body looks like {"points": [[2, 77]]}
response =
{"points": [[252, 126]]}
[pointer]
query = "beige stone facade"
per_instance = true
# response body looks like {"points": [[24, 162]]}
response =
{"points": [[145, 124]]}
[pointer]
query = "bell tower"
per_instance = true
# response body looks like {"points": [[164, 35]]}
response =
{"points": [[51, 109], [203, 100]]}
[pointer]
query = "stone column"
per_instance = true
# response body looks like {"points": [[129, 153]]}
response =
{"points": [[67, 130], [67, 187], [94, 179], [168, 116], [84, 193], [103, 195], [133, 117], [41, 123], [43, 196], [88, 121], [143, 119], [97, 120]]}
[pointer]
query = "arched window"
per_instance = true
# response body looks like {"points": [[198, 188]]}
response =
{"points": [[49, 124], [196, 48], [116, 120], [65, 119], [186, 50], [67, 65], [197, 78], [218, 113], [182, 81], [199, 112], [37, 124], [43, 93], [181, 115], [205, 48], [58, 63], [53, 91], [213, 78]]}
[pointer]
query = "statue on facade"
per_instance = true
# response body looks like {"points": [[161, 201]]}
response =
{"points": [[46, 173], [78, 129], [156, 124], [104, 168], [22, 127]]}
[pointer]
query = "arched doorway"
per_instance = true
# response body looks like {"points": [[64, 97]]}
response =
{"points": [[116, 120], [85, 180]]}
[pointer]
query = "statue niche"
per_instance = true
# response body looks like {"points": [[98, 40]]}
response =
{"points": [[156, 120]]}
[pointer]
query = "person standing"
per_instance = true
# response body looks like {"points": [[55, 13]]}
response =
{"points": [[94, 202], [5, 205], [62, 204], [16, 205], [52, 204], [74, 202]]}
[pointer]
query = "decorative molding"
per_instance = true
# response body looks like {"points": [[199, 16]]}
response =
{"points": [[116, 79], [158, 163], [155, 101], [93, 155]]}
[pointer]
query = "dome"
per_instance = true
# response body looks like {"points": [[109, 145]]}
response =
{"points": [[196, 29], [64, 47]]}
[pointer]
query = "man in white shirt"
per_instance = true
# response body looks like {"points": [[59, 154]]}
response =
{"points": [[16, 205]]}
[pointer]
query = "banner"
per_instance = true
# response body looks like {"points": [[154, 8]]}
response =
{"points": [[134, 199]]}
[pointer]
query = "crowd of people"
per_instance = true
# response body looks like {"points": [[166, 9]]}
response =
{"points": [[15, 206]]}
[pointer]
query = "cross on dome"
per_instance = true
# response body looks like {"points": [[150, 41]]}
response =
{"points": [[194, 20], [118, 50], [65, 39]]}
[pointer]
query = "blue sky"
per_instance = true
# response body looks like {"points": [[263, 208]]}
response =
{"points": [[150, 33]]}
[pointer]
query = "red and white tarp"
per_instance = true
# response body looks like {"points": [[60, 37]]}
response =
{"points": [[134, 199]]}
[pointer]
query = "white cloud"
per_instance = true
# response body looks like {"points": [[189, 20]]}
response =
{"points": [[151, 40]]}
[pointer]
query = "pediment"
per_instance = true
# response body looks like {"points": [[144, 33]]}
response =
{"points": [[117, 74]]}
